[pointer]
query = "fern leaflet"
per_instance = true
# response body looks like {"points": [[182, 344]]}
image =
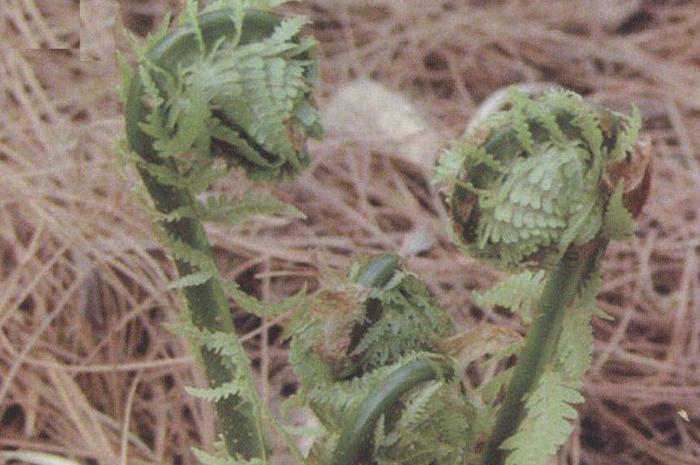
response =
{"points": [[215, 394], [231, 211], [264, 309], [193, 279], [547, 424], [517, 292]]}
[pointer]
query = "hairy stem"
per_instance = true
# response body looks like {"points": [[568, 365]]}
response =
{"points": [[207, 303], [559, 293]]}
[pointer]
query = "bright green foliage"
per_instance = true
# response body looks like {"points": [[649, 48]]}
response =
{"points": [[575, 346], [241, 386], [523, 189], [628, 137], [432, 422], [489, 390], [230, 210], [202, 262], [547, 425], [265, 309], [547, 411], [409, 322], [530, 188], [206, 269], [224, 209], [244, 98], [215, 97], [574, 350], [214, 394], [345, 344], [194, 279], [517, 292]]}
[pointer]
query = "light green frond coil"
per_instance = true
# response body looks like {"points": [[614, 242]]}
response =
{"points": [[230, 82], [527, 184]]}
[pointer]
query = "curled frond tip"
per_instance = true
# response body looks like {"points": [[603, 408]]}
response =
{"points": [[530, 181]]}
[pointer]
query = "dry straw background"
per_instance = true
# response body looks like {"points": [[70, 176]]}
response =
{"points": [[87, 371]]}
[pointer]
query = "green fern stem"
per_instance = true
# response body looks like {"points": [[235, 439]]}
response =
{"points": [[207, 303], [356, 435], [564, 282]]}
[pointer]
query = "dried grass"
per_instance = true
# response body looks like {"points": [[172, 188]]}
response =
{"points": [[87, 370]]}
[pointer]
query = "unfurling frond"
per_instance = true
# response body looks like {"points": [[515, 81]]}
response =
{"points": [[368, 357], [231, 82], [545, 184], [228, 87], [529, 186]]}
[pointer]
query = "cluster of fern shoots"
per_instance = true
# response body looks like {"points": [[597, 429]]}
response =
{"points": [[538, 188]]}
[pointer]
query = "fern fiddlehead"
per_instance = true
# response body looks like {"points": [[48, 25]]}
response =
{"points": [[229, 87], [546, 184], [355, 437], [366, 352]]}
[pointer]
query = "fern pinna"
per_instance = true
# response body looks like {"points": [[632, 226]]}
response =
{"points": [[545, 184], [227, 87]]}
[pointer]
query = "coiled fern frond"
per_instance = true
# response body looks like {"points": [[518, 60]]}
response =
{"points": [[367, 355], [231, 81], [530, 181]]}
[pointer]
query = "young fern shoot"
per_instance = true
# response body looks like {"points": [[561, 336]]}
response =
{"points": [[227, 87], [545, 185], [367, 353]]}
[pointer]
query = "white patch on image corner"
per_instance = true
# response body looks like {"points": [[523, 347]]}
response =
{"points": [[368, 110]]}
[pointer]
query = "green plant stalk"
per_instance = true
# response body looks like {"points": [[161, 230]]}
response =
{"points": [[564, 282], [357, 432], [207, 303], [376, 273]]}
